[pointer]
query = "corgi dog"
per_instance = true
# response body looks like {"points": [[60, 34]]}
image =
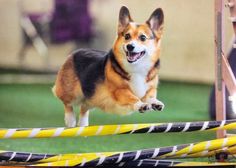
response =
{"points": [[121, 81]]}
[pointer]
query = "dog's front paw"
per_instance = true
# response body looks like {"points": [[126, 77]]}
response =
{"points": [[156, 104], [142, 107]]}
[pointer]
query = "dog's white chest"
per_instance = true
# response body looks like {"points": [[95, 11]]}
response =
{"points": [[138, 85]]}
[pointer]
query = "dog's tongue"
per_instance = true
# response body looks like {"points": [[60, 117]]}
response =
{"points": [[132, 56]]}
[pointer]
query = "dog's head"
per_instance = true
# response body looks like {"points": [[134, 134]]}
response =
{"points": [[136, 42]]}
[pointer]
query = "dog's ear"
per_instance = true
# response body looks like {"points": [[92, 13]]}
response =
{"points": [[156, 20], [124, 18]]}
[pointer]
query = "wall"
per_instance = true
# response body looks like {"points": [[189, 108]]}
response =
{"points": [[188, 42]]}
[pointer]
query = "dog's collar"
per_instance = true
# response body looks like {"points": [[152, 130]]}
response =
{"points": [[117, 68]]}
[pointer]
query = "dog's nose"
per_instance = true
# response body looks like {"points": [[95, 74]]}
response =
{"points": [[130, 47]]}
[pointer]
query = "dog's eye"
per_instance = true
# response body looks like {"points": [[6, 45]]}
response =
{"points": [[142, 37], [127, 36]]}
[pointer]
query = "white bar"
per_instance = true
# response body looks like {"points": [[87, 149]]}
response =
{"points": [[34, 132], [151, 128], [174, 150], [9, 133], [140, 163], [100, 128], [208, 144], [155, 153], [134, 128], [137, 154], [83, 162], [168, 127], [186, 127], [205, 125], [101, 160], [117, 129], [120, 157], [121, 164], [224, 142], [29, 157], [156, 163], [81, 129], [58, 132], [222, 123], [12, 156]]}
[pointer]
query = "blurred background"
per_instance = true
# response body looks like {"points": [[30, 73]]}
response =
{"points": [[187, 48], [37, 36]]}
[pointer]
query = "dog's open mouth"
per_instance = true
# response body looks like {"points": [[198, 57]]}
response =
{"points": [[134, 56]]}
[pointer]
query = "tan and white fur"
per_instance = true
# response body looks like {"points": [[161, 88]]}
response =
{"points": [[121, 81]]}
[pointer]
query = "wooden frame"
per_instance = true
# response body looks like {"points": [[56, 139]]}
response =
{"points": [[224, 77]]}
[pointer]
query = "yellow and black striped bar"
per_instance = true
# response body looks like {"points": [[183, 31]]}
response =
{"points": [[9, 156], [144, 163], [149, 163], [96, 159], [168, 163], [231, 150], [109, 158], [116, 129]]}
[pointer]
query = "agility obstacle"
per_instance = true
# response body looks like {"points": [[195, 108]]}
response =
{"points": [[115, 158], [117, 129], [155, 163], [168, 163], [201, 149]]}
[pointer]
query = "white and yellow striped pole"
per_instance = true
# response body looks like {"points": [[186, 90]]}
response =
{"points": [[117, 129]]}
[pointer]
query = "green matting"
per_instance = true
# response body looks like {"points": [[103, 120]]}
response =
{"points": [[33, 105]]}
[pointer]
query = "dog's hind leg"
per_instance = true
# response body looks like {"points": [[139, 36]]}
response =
{"points": [[83, 116], [70, 117]]}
